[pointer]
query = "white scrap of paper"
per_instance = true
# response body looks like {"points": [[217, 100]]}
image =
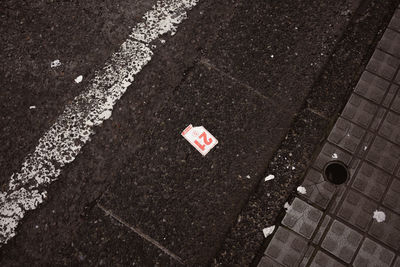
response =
{"points": [[379, 216], [270, 177], [302, 190], [32, 107], [287, 207], [269, 230], [334, 156], [248, 176], [55, 63], [79, 79]]}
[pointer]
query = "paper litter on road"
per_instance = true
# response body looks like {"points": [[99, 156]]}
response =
{"points": [[79, 79], [269, 230], [32, 107], [379, 216], [287, 207], [55, 63], [270, 177], [302, 190], [248, 176], [200, 138], [334, 156]]}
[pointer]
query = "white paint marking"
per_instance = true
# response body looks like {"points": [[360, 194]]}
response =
{"points": [[65, 138]]}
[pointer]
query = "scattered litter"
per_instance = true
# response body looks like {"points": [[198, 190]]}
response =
{"points": [[79, 79], [379, 216], [365, 148], [334, 156], [293, 167], [248, 176], [55, 63], [269, 230], [287, 207], [302, 190], [268, 194], [270, 177], [272, 56], [162, 41], [32, 107]]}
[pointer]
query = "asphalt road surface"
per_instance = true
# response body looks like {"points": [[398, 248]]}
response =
{"points": [[96, 172]]}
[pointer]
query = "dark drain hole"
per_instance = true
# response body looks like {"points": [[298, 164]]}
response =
{"points": [[336, 172]]}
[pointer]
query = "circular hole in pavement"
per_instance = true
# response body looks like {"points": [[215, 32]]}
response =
{"points": [[336, 172]]}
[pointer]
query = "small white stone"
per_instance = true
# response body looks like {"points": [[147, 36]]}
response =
{"points": [[162, 41], [269, 177], [302, 190], [379, 216], [79, 79], [272, 56], [269, 230], [248, 176]]}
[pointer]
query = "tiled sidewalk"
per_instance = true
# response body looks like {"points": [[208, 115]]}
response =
{"points": [[333, 225]]}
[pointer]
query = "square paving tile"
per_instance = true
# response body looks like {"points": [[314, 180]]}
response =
{"points": [[371, 181], [268, 262], [318, 190], [287, 247], [321, 259], [392, 197], [395, 21], [357, 210], [373, 254], [384, 65], [359, 110], [321, 229], [302, 218], [390, 42], [342, 241], [330, 152], [390, 96], [388, 231], [346, 135], [390, 128], [396, 102], [384, 154]]}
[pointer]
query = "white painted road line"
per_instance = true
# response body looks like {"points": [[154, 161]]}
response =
{"points": [[66, 137]]}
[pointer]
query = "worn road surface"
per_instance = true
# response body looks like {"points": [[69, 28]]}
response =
{"points": [[86, 186]]}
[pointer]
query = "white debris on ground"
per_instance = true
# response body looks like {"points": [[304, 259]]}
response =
{"points": [[162, 41], [302, 190], [334, 156], [55, 63], [287, 207], [248, 176], [32, 107], [269, 230], [270, 177], [379, 216], [79, 79]]}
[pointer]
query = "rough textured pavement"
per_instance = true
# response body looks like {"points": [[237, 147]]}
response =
{"points": [[333, 225], [240, 69]]}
